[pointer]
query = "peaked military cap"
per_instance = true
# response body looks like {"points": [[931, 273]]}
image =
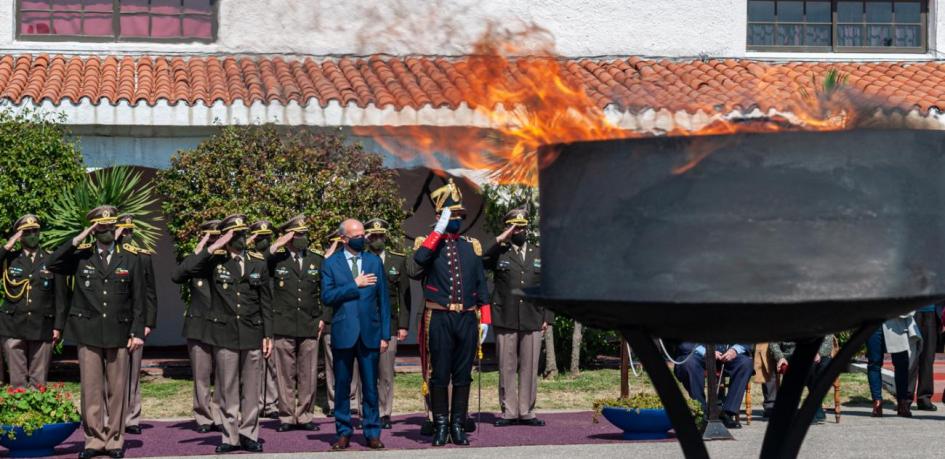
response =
{"points": [[333, 236], [236, 222], [261, 227], [295, 224], [211, 227], [517, 217], [26, 222], [448, 197], [376, 226], [126, 221], [105, 215]]}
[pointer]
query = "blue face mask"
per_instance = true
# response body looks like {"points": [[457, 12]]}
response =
{"points": [[453, 226], [356, 244]]}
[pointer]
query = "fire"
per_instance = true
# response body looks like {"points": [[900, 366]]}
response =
{"points": [[518, 84]]}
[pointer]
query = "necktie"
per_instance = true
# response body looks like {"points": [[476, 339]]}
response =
{"points": [[298, 259], [103, 255], [355, 271], [239, 260]]}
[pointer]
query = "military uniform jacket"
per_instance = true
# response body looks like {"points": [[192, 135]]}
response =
{"points": [[511, 273], [199, 289], [398, 287], [436, 271], [150, 288], [296, 293], [107, 304], [32, 309], [240, 314]]}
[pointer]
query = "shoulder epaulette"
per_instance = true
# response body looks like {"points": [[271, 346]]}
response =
{"points": [[85, 246], [135, 249], [396, 253], [477, 246], [256, 255], [418, 242]]}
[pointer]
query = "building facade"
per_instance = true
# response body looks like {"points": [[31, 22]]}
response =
{"points": [[140, 79]]}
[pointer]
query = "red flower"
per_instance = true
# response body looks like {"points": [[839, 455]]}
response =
{"points": [[10, 390], [42, 389], [19, 390]]}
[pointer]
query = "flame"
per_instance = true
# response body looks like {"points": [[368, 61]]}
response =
{"points": [[517, 83]]}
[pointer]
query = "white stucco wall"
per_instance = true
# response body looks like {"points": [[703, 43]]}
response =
{"points": [[329, 27]]}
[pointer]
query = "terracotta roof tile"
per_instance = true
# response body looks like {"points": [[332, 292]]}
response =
{"points": [[631, 83]]}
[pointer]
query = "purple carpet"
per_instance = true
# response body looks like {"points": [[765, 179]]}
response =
{"points": [[181, 438]]}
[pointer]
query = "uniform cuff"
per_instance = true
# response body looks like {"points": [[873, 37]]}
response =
{"points": [[433, 240]]}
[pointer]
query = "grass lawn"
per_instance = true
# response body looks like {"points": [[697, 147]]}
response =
{"points": [[171, 398]]}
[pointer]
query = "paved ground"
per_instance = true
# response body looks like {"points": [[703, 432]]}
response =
{"points": [[857, 436]]}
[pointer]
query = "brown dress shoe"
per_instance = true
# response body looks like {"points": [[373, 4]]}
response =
{"points": [[904, 409], [342, 444], [877, 409], [375, 443]]}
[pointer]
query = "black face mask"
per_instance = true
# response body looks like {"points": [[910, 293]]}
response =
{"points": [[30, 241], [262, 244], [356, 244], [300, 243], [105, 237], [238, 242], [518, 238], [378, 244]]}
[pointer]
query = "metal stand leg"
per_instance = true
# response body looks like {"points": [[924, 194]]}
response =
{"points": [[789, 425], [668, 390]]}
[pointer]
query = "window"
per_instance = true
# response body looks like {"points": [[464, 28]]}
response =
{"points": [[874, 26], [117, 20]]}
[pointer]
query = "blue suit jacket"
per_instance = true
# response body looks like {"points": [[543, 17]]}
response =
{"points": [[358, 312]]}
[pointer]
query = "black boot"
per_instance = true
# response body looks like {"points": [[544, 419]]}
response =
{"points": [[439, 403], [458, 415]]}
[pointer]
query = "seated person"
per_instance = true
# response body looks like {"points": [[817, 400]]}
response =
{"points": [[781, 352], [732, 359]]}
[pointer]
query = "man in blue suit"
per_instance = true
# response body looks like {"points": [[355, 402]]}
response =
{"points": [[736, 363], [354, 286]]}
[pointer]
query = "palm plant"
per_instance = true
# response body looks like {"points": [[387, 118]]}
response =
{"points": [[119, 186]]}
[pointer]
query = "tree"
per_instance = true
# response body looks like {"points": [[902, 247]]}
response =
{"points": [[39, 161], [264, 172], [576, 339], [499, 200]]}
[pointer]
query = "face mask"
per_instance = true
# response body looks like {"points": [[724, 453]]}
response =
{"points": [[105, 237], [30, 241], [378, 244], [356, 243], [300, 243], [262, 244], [238, 242], [518, 238], [453, 226]]}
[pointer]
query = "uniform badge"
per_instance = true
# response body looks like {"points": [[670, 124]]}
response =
{"points": [[225, 286], [504, 264], [200, 283], [121, 272], [393, 271], [537, 263], [87, 283], [254, 275], [281, 283], [312, 266]]}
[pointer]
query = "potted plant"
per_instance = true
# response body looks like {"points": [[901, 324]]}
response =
{"points": [[34, 421], [640, 416]]}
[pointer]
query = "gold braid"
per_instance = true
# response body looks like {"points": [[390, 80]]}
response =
{"points": [[14, 284], [425, 386], [479, 342]]}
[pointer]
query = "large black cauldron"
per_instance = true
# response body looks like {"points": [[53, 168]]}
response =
{"points": [[769, 237]]}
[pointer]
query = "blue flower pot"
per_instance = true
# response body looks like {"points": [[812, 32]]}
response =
{"points": [[41, 443], [639, 424]]}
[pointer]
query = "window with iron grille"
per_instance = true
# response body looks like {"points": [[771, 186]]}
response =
{"points": [[117, 20], [871, 26]]}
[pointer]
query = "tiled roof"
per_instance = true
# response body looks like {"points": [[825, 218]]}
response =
{"points": [[630, 84]]}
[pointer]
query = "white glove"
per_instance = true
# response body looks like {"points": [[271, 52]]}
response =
{"points": [[483, 331], [443, 221]]}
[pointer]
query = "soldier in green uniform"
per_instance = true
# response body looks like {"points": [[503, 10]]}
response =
{"points": [[260, 238], [35, 304], [239, 326], [106, 319], [324, 327], [297, 309], [518, 323], [395, 267], [206, 405], [124, 234]]}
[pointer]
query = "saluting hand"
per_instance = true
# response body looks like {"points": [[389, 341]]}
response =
{"points": [[202, 243], [283, 240], [365, 280], [331, 250], [84, 234], [12, 241], [505, 235], [220, 243]]}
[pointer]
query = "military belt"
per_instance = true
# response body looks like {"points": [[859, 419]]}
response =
{"points": [[452, 307]]}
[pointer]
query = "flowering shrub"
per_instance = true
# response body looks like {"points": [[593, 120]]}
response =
{"points": [[33, 408]]}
